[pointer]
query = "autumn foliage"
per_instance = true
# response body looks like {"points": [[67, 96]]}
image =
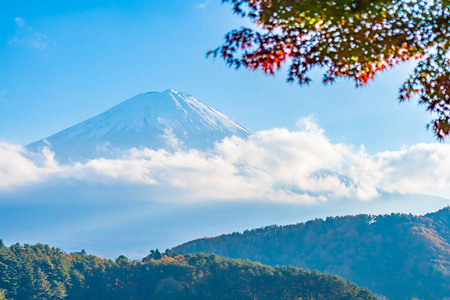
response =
{"points": [[352, 39], [399, 256]]}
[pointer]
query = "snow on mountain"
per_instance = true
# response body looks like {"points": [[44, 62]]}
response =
{"points": [[153, 120]]}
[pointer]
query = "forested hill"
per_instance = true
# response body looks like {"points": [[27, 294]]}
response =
{"points": [[399, 256], [41, 272]]}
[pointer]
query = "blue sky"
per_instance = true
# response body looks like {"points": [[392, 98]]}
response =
{"points": [[64, 61]]}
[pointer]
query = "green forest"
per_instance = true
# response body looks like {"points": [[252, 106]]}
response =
{"points": [[397, 255], [41, 272]]}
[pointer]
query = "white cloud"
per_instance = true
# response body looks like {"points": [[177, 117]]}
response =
{"points": [[203, 4], [171, 139], [27, 36], [19, 22], [422, 168], [18, 167], [276, 165]]}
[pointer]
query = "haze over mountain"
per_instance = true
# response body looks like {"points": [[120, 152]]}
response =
{"points": [[168, 120], [396, 255], [147, 199]]}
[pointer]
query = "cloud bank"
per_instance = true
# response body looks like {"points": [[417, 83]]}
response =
{"points": [[301, 166]]}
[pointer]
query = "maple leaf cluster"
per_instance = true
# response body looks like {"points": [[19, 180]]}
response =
{"points": [[352, 39]]}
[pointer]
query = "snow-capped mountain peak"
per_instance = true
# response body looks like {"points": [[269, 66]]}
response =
{"points": [[144, 120]]}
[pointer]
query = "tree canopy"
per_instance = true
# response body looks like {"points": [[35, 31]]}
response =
{"points": [[352, 39], [399, 256], [43, 273]]}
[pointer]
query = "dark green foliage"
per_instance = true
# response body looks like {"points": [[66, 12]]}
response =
{"points": [[399, 256], [155, 254], [41, 272]]}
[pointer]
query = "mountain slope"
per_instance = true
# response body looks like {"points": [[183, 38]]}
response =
{"points": [[399, 256], [41, 272], [153, 120]]}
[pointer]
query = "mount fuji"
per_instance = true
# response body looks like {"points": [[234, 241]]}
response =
{"points": [[111, 217], [170, 119]]}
